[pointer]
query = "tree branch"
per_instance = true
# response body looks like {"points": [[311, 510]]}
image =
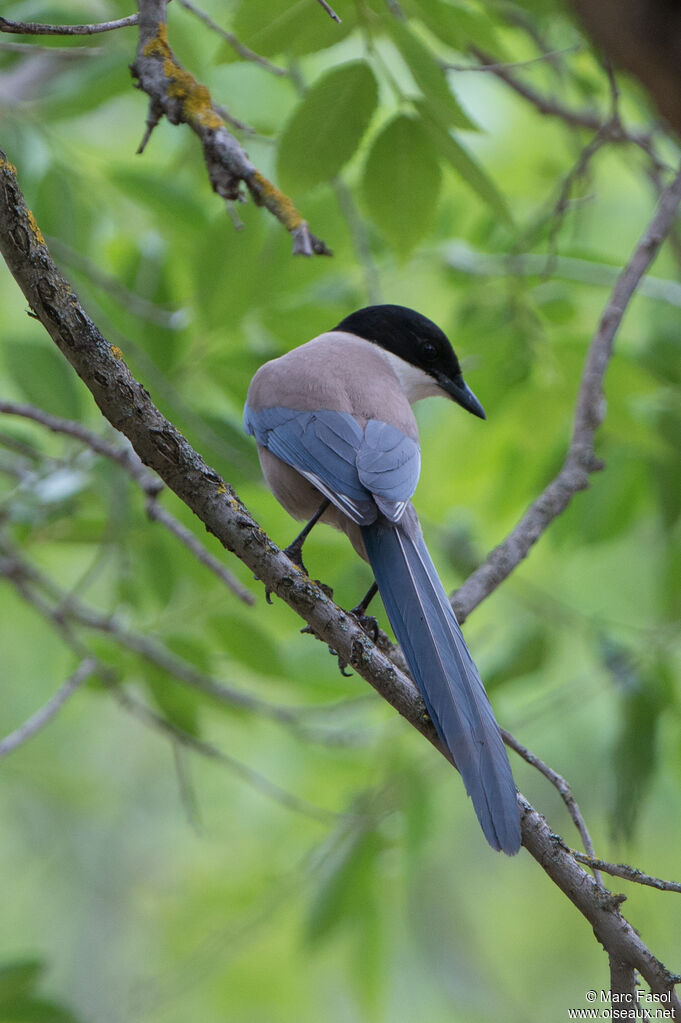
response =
{"points": [[32, 28], [565, 791], [549, 106], [43, 716], [149, 483], [175, 94], [626, 872], [329, 10], [244, 51], [581, 459], [160, 445], [148, 716], [69, 610]]}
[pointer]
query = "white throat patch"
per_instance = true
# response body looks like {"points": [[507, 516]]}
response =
{"points": [[415, 382]]}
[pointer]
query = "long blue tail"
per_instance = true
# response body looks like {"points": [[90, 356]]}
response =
{"points": [[443, 670]]}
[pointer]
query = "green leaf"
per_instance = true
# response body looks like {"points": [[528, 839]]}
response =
{"points": [[174, 205], [86, 87], [345, 884], [430, 78], [19, 977], [179, 705], [401, 182], [327, 126], [465, 164], [610, 504], [525, 654], [457, 24], [44, 377], [35, 1010], [271, 27], [645, 694], [666, 479], [662, 355], [246, 641]]}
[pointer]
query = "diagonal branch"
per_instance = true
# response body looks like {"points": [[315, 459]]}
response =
{"points": [[581, 460], [43, 716], [160, 445], [144, 713], [565, 792], [244, 51], [175, 94], [148, 481], [549, 106]]}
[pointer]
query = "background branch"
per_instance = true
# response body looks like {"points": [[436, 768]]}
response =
{"points": [[43, 716], [581, 459], [149, 483]]}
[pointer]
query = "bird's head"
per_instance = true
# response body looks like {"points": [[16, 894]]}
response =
{"points": [[419, 352]]}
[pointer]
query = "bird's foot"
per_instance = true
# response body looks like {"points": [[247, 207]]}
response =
{"points": [[342, 663], [294, 552], [367, 623]]}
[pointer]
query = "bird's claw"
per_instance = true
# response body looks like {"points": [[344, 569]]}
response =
{"points": [[342, 663], [367, 624], [294, 552]]}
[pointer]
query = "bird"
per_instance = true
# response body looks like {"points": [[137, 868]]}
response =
{"points": [[338, 442]]}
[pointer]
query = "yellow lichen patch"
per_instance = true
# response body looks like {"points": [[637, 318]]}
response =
{"points": [[35, 230], [6, 165], [158, 46], [116, 352], [267, 194], [222, 489], [197, 106]]}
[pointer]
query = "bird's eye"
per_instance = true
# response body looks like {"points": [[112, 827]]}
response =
{"points": [[428, 352]]}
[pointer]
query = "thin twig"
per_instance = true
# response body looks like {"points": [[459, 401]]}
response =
{"points": [[148, 481], [252, 777], [462, 258], [329, 10], [550, 56], [185, 787], [244, 51], [125, 457], [577, 172], [68, 609], [561, 785], [360, 240], [157, 513], [62, 52], [31, 28], [43, 716], [150, 718], [574, 117], [172, 319], [626, 872]]}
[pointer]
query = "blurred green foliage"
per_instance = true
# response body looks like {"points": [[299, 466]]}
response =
{"points": [[145, 883]]}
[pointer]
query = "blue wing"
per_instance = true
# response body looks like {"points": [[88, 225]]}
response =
{"points": [[388, 464], [360, 470]]}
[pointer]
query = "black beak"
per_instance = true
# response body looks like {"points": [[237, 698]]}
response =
{"points": [[461, 393]]}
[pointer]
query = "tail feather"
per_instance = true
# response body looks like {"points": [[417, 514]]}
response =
{"points": [[443, 669]]}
